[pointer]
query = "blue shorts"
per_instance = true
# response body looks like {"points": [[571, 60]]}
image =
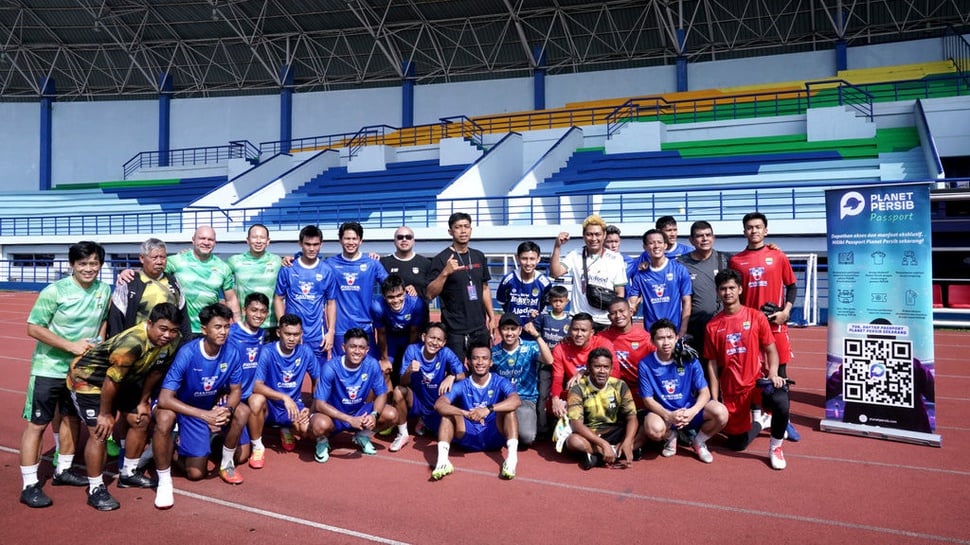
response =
{"points": [[481, 437], [340, 425], [194, 436], [276, 414]]}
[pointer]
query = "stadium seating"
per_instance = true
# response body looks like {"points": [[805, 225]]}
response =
{"points": [[937, 296], [958, 296]]}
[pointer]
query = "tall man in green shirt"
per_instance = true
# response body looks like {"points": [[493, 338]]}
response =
{"points": [[256, 269]]}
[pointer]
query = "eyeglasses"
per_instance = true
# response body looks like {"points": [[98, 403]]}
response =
{"points": [[404, 237]]}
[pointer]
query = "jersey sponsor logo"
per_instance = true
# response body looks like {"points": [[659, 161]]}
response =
{"points": [[756, 272], [287, 376], [736, 348], [352, 392], [305, 287], [208, 383], [670, 386], [350, 278], [658, 289], [251, 353]]}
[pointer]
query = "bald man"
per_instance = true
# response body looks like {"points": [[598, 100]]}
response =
{"points": [[202, 276]]}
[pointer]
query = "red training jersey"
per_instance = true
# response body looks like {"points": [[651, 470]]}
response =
{"points": [[567, 359], [735, 342]]}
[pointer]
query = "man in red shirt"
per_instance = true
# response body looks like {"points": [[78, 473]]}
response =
{"points": [[631, 343], [569, 358], [735, 339]]}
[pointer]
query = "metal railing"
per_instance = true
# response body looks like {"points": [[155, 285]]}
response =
{"points": [[956, 48], [236, 149], [467, 128]]}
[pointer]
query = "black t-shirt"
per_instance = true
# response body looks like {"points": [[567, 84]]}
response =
{"points": [[459, 312], [414, 271]]}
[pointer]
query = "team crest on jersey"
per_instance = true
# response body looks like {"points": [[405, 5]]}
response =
{"points": [[415, 270], [670, 386], [352, 391], [251, 353], [223, 366], [670, 276], [305, 287], [208, 383], [363, 267], [756, 272], [363, 377], [769, 261], [535, 292], [733, 338], [319, 277], [658, 289], [350, 278], [491, 393], [635, 345], [407, 317], [746, 325]]}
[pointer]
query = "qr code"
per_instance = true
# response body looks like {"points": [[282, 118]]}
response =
{"points": [[878, 371]]}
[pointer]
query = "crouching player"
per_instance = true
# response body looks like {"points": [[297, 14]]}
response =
{"points": [[429, 371], [120, 374], [278, 386], [674, 390], [340, 397], [479, 414], [191, 391]]}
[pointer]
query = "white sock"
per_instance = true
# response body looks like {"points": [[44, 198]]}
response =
{"points": [[94, 483], [513, 447], [228, 455], [258, 444], [755, 415], [129, 466], [402, 429], [29, 474], [64, 462], [702, 437], [165, 477], [57, 441], [775, 443], [443, 449]]}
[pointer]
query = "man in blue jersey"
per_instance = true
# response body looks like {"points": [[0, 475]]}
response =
{"points": [[340, 397], [430, 370], [518, 360], [277, 390], [673, 249], [308, 289], [523, 292], [247, 338], [674, 390], [479, 415], [664, 286], [357, 276], [398, 320], [192, 396]]}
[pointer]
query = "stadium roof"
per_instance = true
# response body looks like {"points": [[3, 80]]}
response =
{"points": [[100, 49]]}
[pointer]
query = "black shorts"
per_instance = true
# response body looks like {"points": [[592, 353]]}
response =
{"points": [[613, 435], [44, 396], [88, 406]]}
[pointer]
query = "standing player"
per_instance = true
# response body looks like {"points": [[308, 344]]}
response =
{"points": [[663, 286], [430, 371], [278, 386], [357, 276], [767, 278], [518, 360], [673, 388], [67, 316], [191, 396], [479, 415], [459, 274], [203, 275], [309, 290], [410, 266], [340, 397], [255, 270], [523, 292], [119, 375], [735, 340], [398, 320]]}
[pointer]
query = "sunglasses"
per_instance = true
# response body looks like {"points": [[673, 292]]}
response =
{"points": [[404, 237]]}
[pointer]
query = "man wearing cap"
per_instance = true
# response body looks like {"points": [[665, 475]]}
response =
{"points": [[518, 360]]}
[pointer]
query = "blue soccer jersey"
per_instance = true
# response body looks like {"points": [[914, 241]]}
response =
{"points": [[348, 389], [397, 324], [674, 389], [200, 380], [662, 291], [425, 383], [356, 282], [467, 395], [552, 329], [284, 372], [306, 291], [522, 298], [520, 367], [248, 344]]}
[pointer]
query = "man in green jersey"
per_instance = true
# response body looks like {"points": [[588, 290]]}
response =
{"points": [[256, 269]]}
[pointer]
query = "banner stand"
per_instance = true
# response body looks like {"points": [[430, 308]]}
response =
{"points": [[874, 432]]}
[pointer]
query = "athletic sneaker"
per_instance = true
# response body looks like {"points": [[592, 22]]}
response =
{"points": [[670, 446], [386, 431], [68, 478], [764, 421], [164, 496], [702, 452], [792, 434], [287, 439], [508, 471], [322, 451], [33, 496], [112, 448], [136, 480], [442, 471], [399, 442], [421, 430], [363, 441], [101, 500], [229, 475], [257, 459], [56, 458], [591, 461], [777, 457]]}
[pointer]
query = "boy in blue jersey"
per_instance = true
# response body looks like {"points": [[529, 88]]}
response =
{"points": [[357, 276], [191, 392], [398, 320], [553, 326], [278, 386], [308, 288], [518, 360], [340, 397], [523, 292], [479, 415], [664, 286], [431, 370], [676, 394]]}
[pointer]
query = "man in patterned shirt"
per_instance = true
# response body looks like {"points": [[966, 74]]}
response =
{"points": [[518, 360], [132, 301], [255, 270]]}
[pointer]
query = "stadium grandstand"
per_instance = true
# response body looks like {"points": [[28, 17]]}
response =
{"points": [[125, 120]]}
